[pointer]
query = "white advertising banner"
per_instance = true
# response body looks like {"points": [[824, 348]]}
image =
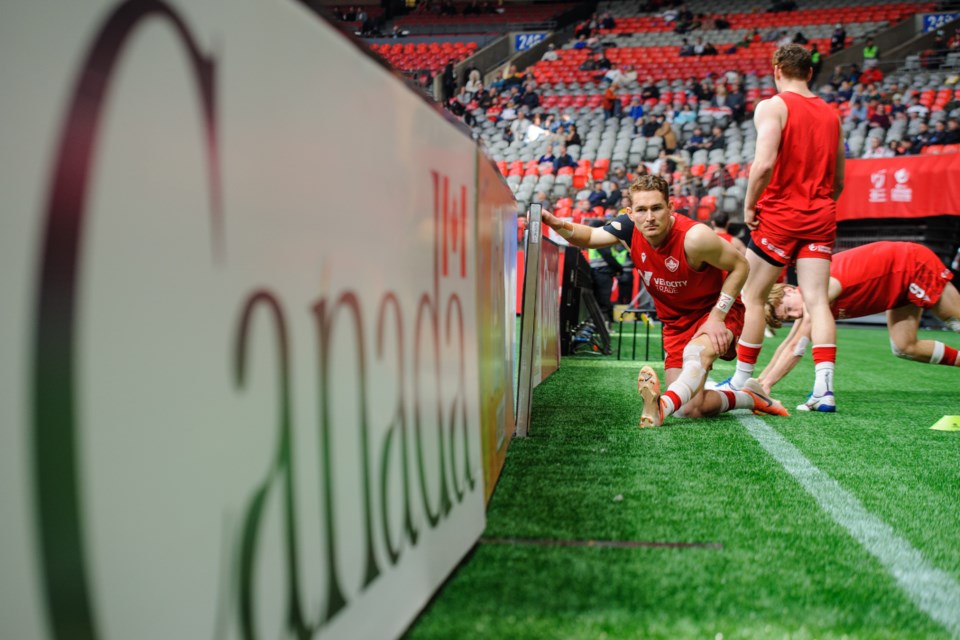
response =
{"points": [[238, 351]]}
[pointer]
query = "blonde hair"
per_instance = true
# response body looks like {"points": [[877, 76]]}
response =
{"points": [[650, 182], [773, 301]]}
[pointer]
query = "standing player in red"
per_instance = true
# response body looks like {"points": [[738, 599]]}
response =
{"points": [[694, 278], [899, 278], [790, 206]]}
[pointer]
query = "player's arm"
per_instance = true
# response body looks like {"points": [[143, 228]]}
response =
{"points": [[769, 118], [580, 235], [788, 354], [840, 170], [703, 246]]}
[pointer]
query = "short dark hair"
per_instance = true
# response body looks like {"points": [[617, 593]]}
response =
{"points": [[794, 61], [720, 219], [651, 182]]}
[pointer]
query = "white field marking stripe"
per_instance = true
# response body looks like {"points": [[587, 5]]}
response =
{"points": [[935, 592]]}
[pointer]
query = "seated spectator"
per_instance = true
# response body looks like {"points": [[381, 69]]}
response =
{"points": [[664, 161], [696, 141], [915, 107], [799, 38], [720, 23], [636, 109], [474, 84], [650, 90], [686, 49], [573, 137], [563, 159], [784, 38], [716, 139], [684, 115], [875, 149], [597, 197], [699, 47], [953, 132], [922, 139], [581, 42], [649, 127], [719, 178], [838, 40], [871, 74], [530, 99], [939, 134], [550, 55], [709, 50], [665, 131], [845, 91], [547, 156], [619, 178], [880, 118], [607, 21], [905, 147]]}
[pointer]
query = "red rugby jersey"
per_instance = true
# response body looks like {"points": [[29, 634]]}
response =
{"points": [[876, 277], [681, 294], [800, 192]]}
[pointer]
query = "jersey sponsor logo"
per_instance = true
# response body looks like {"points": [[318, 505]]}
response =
{"points": [[672, 263], [668, 286], [769, 245], [819, 248]]}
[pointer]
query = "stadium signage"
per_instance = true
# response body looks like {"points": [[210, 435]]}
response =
{"points": [[407, 394], [524, 41], [934, 21]]}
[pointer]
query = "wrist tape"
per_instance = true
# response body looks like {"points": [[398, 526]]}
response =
{"points": [[724, 302]]}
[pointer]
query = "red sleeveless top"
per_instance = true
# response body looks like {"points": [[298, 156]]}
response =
{"points": [[801, 189], [681, 294]]}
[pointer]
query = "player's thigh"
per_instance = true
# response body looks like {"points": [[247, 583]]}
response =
{"points": [[762, 277], [903, 324], [948, 306], [813, 277]]}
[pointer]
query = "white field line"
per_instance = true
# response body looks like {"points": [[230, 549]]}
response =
{"points": [[935, 592]]}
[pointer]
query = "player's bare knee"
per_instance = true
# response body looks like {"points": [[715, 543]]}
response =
{"points": [[907, 350]]}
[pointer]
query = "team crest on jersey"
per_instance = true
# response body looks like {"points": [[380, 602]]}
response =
{"points": [[646, 277], [945, 275], [672, 263]]}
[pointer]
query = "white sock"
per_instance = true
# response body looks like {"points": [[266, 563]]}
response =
{"points": [[823, 383]]}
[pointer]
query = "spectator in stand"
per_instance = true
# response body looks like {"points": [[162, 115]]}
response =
{"points": [[581, 42], [919, 109], [699, 47], [905, 148], [720, 23], [619, 178], [573, 137], [937, 53], [838, 40], [685, 115], [563, 159], [880, 119], [784, 39], [716, 140], [720, 178], [547, 156], [530, 99], [871, 74], [897, 106], [636, 109], [551, 55], [566, 123], [686, 49], [650, 90], [953, 44], [875, 149], [817, 60], [870, 52], [709, 49], [474, 84], [611, 102], [799, 38], [665, 131], [663, 161], [922, 139], [939, 135], [704, 91], [696, 141], [649, 127], [448, 82], [953, 132], [607, 21], [597, 197]]}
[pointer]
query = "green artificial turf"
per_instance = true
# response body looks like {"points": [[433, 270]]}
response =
{"points": [[772, 562]]}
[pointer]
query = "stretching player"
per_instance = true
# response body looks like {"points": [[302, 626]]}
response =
{"points": [[790, 206], [900, 278], [694, 278]]}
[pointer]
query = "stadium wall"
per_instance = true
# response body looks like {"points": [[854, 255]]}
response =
{"points": [[241, 373]]}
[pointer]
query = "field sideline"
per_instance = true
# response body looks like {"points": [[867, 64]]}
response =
{"points": [[813, 526]]}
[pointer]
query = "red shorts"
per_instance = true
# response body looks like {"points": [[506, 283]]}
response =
{"points": [[781, 246], [928, 281], [674, 342]]}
